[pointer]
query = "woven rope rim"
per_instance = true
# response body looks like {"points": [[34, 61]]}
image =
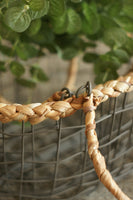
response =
{"points": [[54, 108]]}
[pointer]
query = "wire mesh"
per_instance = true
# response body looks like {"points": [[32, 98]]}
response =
{"points": [[50, 160]]}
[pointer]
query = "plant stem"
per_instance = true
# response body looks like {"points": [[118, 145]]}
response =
{"points": [[72, 73]]}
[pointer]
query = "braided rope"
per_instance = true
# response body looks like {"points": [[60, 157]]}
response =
{"points": [[55, 109]]}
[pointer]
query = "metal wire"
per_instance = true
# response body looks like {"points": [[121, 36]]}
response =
{"points": [[50, 160]]}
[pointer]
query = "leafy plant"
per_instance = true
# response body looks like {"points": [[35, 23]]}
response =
{"points": [[67, 28]]}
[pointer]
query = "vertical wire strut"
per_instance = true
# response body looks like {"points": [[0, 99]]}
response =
{"points": [[4, 155], [22, 160], [111, 128], [121, 117], [119, 131], [101, 124], [130, 141], [57, 155], [85, 156], [33, 154]]}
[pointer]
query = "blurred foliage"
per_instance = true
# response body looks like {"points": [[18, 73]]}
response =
{"points": [[67, 28]]}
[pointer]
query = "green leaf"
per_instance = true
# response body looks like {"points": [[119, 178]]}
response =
{"points": [[26, 83], [90, 57], [105, 76], [125, 22], [107, 22], [99, 78], [38, 14], [121, 54], [34, 27], [57, 8], [37, 73], [15, 3], [85, 27], [106, 62], [76, 1], [115, 37], [114, 8], [105, 2], [91, 22], [128, 7], [17, 19], [81, 45], [60, 24], [45, 36], [2, 5], [26, 51], [8, 33], [68, 53], [17, 69], [2, 67], [74, 22], [37, 5], [106, 67], [6, 50], [128, 46]]}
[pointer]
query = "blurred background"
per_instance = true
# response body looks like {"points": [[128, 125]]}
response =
{"points": [[39, 42], [57, 73]]}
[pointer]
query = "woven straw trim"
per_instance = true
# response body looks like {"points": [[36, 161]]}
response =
{"points": [[55, 109]]}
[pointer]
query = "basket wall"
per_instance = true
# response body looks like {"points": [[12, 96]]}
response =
{"points": [[50, 160]]}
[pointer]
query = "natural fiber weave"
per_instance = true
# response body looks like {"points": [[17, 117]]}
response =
{"points": [[55, 109]]}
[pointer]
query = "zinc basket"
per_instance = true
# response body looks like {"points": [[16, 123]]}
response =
{"points": [[44, 146]]}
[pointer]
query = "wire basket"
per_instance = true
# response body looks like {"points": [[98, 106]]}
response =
{"points": [[50, 160]]}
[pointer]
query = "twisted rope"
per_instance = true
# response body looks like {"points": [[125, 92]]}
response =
{"points": [[54, 108], [96, 156]]}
